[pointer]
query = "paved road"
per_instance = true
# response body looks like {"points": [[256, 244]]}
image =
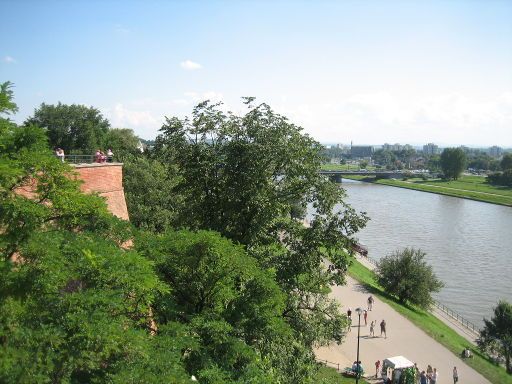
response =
{"points": [[403, 338]]}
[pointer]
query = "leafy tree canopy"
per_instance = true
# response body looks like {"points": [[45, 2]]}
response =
{"points": [[453, 162], [71, 127], [496, 336], [506, 161], [407, 276]]}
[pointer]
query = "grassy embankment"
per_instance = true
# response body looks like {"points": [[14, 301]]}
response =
{"points": [[467, 187], [434, 327]]}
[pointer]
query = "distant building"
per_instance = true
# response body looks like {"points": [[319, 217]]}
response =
{"points": [[392, 147], [495, 151], [430, 149], [361, 151]]}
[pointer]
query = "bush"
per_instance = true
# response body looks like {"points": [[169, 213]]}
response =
{"points": [[407, 276]]}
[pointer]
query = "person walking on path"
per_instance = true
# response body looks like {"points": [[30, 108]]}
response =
{"points": [[349, 313], [435, 376], [365, 315], [370, 302], [377, 367], [372, 329], [455, 375], [423, 378], [383, 329]]}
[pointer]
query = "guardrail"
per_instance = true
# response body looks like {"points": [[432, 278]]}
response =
{"points": [[450, 312], [459, 318], [329, 363], [79, 159]]}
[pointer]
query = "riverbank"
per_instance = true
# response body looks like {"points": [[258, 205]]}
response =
{"points": [[467, 187], [431, 326]]}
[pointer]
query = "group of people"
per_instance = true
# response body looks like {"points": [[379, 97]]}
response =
{"points": [[373, 324], [101, 157]]}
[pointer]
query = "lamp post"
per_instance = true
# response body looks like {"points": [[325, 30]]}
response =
{"points": [[358, 372]]}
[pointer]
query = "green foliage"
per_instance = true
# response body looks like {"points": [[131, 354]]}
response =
{"points": [[506, 162], [501, 178], [453, 162], [123, 143], [148, 187], [71, 127], [231, 305], [407, 276], [248, 177], [496, 336]]}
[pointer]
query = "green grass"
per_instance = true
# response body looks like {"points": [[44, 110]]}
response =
{"points": [[468, 187], [328, 375], [434, 327]]}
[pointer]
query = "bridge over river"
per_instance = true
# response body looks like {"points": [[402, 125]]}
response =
{"points": [[337, 176]]}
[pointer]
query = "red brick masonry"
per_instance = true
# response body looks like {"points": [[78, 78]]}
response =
{"points": [[107, 180]]}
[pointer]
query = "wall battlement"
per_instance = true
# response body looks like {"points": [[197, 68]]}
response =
{"points": [[107, 180]]}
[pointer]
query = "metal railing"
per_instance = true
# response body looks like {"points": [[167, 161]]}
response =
{"points": [[79, 159], [329, 363], [443, 308], [459, 318]]}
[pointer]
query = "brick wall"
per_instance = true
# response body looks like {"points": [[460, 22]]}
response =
{"points": [[107, 180]]}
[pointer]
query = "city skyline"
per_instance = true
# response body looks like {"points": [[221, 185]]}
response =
{"points": [[366, 71]]}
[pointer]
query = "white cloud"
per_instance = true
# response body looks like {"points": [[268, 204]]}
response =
{"points": [[9, 60], [120, 29], [189, 65], [121, 116]]}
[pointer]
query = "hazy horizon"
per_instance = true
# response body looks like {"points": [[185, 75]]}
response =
{"points": [[368, 71]]}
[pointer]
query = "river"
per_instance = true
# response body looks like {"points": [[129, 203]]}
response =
{"points": [[468, 243]]}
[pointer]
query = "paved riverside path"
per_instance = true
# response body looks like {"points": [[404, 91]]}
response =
{"points": [[403, 338]]}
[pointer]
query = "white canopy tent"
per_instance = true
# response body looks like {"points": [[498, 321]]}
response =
{"points": [[395, 363]]}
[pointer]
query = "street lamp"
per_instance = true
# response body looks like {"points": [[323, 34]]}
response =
{"points": [[358, 371]]}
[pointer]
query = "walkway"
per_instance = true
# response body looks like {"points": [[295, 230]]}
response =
{"points": [[403, 338]]}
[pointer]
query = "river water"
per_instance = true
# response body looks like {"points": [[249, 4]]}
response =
{"points": [[468, 243]]}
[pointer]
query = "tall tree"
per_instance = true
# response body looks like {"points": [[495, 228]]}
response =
{"points": [[245, 177], [407, 276], [506, 162], [496, 336], [453, 162], [71, 127]]}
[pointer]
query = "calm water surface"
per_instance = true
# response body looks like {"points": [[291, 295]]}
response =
{"points": [[468, 243]]}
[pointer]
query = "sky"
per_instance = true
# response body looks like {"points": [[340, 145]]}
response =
{"points": [[367, 72]]}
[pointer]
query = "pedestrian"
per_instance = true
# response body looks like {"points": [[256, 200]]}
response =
{"points": [[455, 375], [110, 155], [365, 315], [97, 156], [435, 375], [349, 313], [60, 154], [423, 378], [377, 367], [383, 329], [370, 302], [429, 372], [372, 329], [349, 324]]}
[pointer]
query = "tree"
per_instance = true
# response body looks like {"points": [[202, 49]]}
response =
{"points": [[74, 305], [147, 185], [496, 336], [123, 142], [247, 177], [453, 162], [224, 297], [71, 127], [407, 276], [506, 162]]}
